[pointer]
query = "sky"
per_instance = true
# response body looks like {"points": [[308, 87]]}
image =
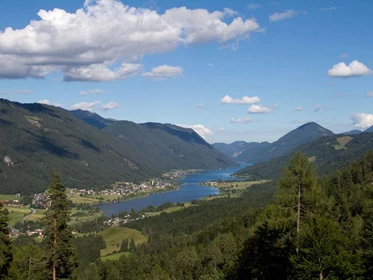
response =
{"points": [[231, 70]]}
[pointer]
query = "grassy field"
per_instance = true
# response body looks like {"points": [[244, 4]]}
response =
{"points": [[8, 197], [239, 185], [170, 210], [39, 214], [17, 213], [113, 237], [114, 257], [78, 199]]}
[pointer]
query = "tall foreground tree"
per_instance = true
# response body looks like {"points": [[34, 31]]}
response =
{"points": [[58, 233], [5, 244]]}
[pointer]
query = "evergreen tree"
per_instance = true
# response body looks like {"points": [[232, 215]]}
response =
{"points": [[132, 246], [57, 232], [124, 245], [5, 244]]}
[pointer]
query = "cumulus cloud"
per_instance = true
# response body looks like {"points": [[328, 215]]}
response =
{"points": [[258, 109], [164, 71], [86, 106], [91, 91], [244, 100], [110, 106], [100, 72], [369, 94], [200, 106], [95, 105], [203, 131], [298, 109], [253, 6], [210, 64], [355, 68], [317, 108], [328, 9], [90, 43], [229, 12], [281, 16], [362, 120], [241, 120]]}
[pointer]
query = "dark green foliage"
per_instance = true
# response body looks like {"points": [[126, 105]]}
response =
{"points": [[132, 246], [57, 233], [259, 152], [124, 245], [327, 159], [40, 138], [87, 248], [5, 244]]}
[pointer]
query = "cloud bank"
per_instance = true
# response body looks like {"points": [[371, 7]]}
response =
{"points": [[104, 39]]}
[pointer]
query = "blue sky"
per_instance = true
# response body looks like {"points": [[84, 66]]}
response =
{"points": [[232, 70]]}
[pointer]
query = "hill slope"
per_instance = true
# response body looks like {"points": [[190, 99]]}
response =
{"points": [[328, 154], [258, 152], [36, 139]]}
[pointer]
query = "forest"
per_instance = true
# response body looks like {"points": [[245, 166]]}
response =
{"points": [[300, 226]]}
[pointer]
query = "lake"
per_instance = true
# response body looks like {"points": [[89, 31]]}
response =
{"points": [[189, 190]]}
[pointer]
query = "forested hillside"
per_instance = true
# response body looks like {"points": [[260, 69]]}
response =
{"points": [[36, 139], [327, 153], [312, 228], [259, 152]]}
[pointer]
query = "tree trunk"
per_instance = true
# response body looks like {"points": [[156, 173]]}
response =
{"points": [[54, 248], [298, 217], [321, 275]]}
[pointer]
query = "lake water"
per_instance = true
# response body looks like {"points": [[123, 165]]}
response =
{"points": [[189, 190]]}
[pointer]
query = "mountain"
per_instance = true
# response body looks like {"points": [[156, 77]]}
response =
{"points": [[36, 139], [230, 149], [370, 129], [169, 146], [352, 132], [328, 153], [258, 152], [92, 118]]}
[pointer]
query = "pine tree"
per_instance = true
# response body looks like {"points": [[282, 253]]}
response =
{"points": [[124, 245], [58, 233], [132, 246], [5, 244]]}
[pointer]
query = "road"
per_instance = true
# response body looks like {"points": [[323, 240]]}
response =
{"points": [[29, 215]]}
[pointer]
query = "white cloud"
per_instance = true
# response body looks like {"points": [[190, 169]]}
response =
{"points": [[244, 100], [203, 131], [369, 94], [3, 92], [110, 106], [298, 109], [48, 102], [253, 6], [164, 71], [344, 55], [100, 72], [95, 105], [355, 68], [258, 109], [87, 106], [317, 108], [362, 120], [200, 106], [210, 64], [91, 91], [25, 91], [229, 12], [241, 120], [281, 16], [90, 43], [222, 129], [328, 9]]}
